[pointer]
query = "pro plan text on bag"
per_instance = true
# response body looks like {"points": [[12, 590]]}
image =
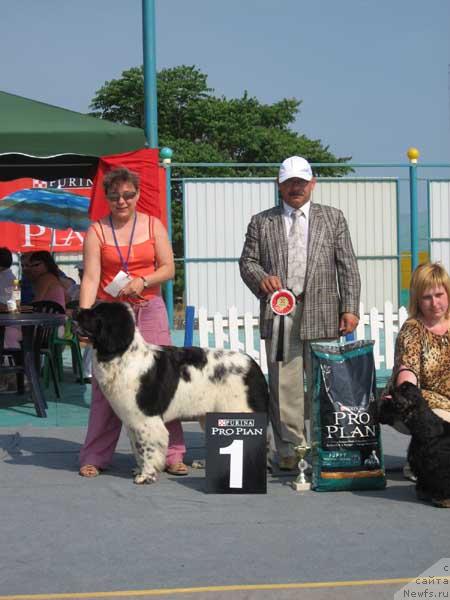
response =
{"points": [[346, 444]]}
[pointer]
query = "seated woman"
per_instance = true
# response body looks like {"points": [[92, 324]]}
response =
{"points": [[44, 275], [7, 277], [422, 350]]}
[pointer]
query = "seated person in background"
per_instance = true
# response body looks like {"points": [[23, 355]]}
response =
{"points": [[12, 334], [422, 349], [44, 276], [71, 288], [76, 290], [6, 275], [26, 289]]}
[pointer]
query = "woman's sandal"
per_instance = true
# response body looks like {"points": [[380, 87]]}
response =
{"points": [[178, 469], [89, 471]]}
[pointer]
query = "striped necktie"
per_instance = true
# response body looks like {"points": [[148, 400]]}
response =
{"points": [[297, 252]]}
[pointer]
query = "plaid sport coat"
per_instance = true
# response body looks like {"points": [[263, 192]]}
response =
{"points": [[332, 282]]}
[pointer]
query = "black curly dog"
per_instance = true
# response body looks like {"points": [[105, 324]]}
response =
{"points": [[429, 449]]}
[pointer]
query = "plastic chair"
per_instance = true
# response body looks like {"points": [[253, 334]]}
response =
{"points": [[43, 341], [12, 362], [71, 340]]}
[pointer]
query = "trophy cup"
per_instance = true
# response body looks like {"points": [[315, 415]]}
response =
{"points": [[300, 484]]}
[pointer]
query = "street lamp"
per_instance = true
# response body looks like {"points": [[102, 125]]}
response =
{"points": [[413, 155]]}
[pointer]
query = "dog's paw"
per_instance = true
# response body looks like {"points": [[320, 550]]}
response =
{"points": [[141, 478], [441, 502]]}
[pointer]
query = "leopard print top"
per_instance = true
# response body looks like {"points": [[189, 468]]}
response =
{"points": [[428, 356]]}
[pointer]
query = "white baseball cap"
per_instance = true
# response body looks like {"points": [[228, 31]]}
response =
{"points": [[295, 166]]}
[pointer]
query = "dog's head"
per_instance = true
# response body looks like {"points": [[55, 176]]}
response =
{"points": [[408, 412], [109, 325], [402, 406]]}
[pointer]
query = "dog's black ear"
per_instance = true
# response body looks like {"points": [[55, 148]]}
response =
{"points": [[97, 327], [424, 423], [113, 330], [105, 339]]}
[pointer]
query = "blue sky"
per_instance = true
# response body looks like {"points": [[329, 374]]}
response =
{"points": [[373, 76]]}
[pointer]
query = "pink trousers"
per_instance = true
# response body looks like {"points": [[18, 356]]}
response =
{"points": [[104, 427]]}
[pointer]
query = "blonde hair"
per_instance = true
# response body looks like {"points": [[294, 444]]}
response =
{"points": [[426, 276]]}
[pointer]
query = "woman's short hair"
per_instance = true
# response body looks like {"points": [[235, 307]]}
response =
{"points": [[48, 260], [426, 276], [117, 176], [5, 258]]}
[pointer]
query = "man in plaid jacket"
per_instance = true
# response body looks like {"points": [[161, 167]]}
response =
{"points": [[328, 305]]}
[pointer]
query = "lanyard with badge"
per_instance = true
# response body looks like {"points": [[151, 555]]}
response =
{"points": [[122, 277]]}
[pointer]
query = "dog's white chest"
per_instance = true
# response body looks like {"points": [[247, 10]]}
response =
{"points": [[119, 380]]}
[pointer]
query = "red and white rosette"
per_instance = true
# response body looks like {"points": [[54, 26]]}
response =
{"points": [[282, 302]]}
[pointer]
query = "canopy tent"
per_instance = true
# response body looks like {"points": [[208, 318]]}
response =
{"points": [[45, 146], [47, 142]]}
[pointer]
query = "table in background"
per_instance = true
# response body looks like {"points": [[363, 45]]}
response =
{"points": [[31, 359]]}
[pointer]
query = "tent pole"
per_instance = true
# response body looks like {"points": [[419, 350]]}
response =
{"points": [[150, 95]]}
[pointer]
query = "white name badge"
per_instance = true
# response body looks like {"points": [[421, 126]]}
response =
{"points": [[117, 284]]}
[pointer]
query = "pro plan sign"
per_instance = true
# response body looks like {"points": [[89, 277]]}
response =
{"points": [[236, 453]]}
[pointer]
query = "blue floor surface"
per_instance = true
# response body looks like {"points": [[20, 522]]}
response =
{"points": [[72, 409]]}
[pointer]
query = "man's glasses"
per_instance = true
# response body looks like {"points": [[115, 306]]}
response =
{"points": [[116, 196]]}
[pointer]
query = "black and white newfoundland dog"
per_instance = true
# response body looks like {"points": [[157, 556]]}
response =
{"points": [[429, 449], [150, 385]]}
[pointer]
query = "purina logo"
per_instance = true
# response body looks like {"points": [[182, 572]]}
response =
{"points": [[235, 422], [59, 184]]}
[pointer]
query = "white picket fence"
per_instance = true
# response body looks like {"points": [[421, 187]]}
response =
{"points": [[242, 333]]}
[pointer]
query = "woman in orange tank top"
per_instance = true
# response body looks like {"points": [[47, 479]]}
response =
{"points": [[129, 241]]}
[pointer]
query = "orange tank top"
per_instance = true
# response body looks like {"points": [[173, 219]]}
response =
{"points": [[141, 262]]}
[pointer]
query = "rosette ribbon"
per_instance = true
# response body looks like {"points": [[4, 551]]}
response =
{"points": [[282, 303]]}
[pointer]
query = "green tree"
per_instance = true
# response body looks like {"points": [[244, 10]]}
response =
{"points": [[202, 127]]}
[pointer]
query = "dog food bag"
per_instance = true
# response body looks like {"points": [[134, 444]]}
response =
{"points": [[345, 433]]}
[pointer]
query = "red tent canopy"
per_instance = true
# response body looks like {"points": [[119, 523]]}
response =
{"points": [[152, 199], [25, 238]]}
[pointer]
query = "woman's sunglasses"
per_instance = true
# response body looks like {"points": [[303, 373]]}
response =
{"points": [[116, 196]]}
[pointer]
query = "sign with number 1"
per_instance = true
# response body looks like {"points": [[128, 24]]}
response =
{"points": [[236, 453]]}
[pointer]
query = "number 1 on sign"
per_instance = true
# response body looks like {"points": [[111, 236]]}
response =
{"points": [[236, 452]]}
